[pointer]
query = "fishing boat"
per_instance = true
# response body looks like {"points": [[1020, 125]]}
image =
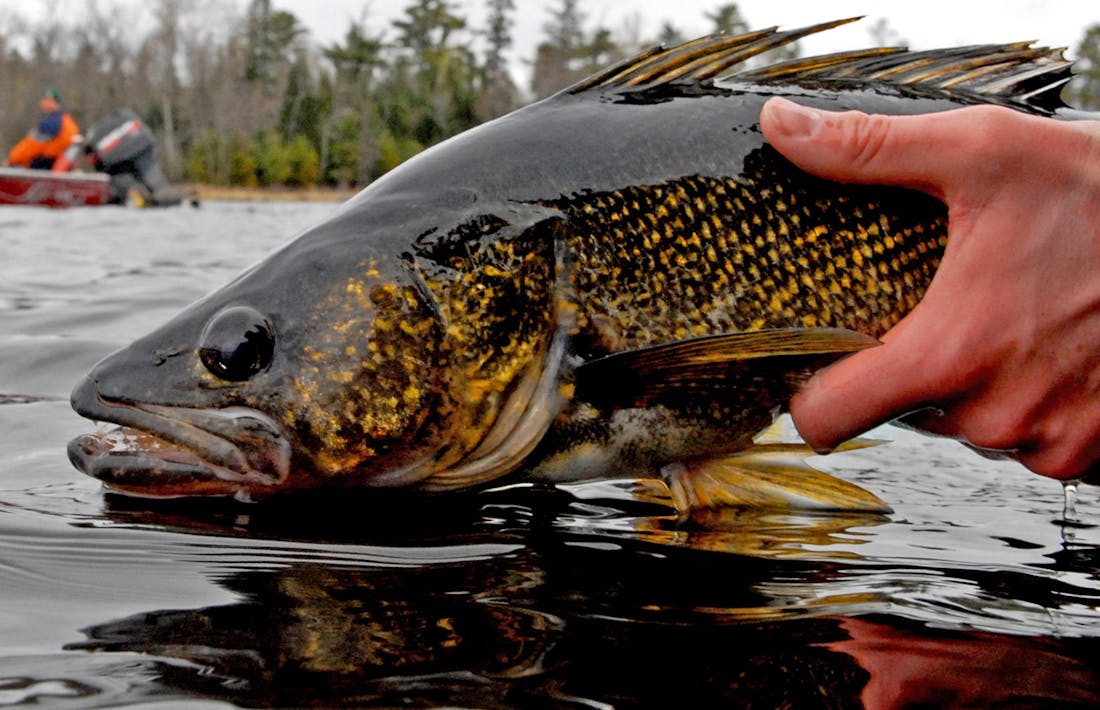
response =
{"points": [[20, 186], [119, 147]]}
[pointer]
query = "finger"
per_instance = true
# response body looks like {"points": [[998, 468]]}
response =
{"points": [[862, 391], [856, 147], [849, 398], [996, 428]]}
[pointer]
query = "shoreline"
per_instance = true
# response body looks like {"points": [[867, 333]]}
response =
{"points": [[219, 193]]}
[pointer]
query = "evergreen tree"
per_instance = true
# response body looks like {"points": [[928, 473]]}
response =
{"points": [[670, 35], [565, 30], [498, 35], [498, 91], [1083, 91], [270, 37], [883, 35], [292, 115], [427, 27], [435, 79], [358, 59], [727, 19], [599, 51], [554, 60]]}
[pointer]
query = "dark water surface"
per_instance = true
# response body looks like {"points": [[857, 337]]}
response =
{"points": [[974, 592]]}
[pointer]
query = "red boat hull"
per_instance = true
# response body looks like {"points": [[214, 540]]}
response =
{"points": [[19, 186]]}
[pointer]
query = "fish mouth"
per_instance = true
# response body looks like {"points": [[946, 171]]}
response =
{"points": [[163, 451]]}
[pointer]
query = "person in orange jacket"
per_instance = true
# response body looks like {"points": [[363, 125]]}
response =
{"points": [[53, 133]]}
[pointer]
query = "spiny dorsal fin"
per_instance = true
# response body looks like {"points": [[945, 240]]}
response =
{"points": [[1016, 73], [698, 60]]}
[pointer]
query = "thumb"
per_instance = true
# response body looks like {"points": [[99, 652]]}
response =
{"points": [[852, 146]]}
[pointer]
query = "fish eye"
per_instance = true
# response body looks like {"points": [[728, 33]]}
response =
{"points": [[237, 343]]}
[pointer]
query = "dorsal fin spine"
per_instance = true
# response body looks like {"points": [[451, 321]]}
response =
{"points": [[648, 67], [820, 64]]}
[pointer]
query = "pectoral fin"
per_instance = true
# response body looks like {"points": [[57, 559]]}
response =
{"points": [[743, 361], [765, 476]]}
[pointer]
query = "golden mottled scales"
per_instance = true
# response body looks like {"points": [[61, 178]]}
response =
{"points": [[702, 255], [698, 267], [372, 353]]}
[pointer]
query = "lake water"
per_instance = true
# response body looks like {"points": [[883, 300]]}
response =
{"points": [[975, 591]]}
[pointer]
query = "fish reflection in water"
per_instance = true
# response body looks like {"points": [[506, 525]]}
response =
{"points": [[560, 610]]}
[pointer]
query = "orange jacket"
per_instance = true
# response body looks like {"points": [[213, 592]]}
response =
{"points": [[43, 144]]}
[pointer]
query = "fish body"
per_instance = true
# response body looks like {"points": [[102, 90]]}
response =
{"points": [[620, 280]]}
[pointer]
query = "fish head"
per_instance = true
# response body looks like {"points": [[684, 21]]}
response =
{"points": [[320, 365]]}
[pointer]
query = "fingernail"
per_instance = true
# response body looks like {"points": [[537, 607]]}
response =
{"points": [[794, 120]]}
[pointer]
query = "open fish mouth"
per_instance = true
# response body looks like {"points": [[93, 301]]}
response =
{"points": [[164, 451]]}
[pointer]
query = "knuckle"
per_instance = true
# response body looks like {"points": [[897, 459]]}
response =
{"points": [[994, 137], [995, 440], [1065, 456], [998, 428], [866, 139], [1054, 462]]}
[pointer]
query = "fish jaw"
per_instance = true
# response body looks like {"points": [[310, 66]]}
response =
{"points": [[169, 451]]}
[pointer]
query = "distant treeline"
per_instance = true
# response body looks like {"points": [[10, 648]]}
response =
{"points": [[240, 95]]}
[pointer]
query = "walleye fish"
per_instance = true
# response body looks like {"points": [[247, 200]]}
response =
{"points": [[622, 280]]}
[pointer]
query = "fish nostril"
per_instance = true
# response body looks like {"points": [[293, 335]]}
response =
{"points": [[161, 356]]}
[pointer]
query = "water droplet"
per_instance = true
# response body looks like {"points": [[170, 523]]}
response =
{"points": [[1069, 505]]}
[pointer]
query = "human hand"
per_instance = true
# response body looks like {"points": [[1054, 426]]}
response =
{"points": [[1006, 341]]}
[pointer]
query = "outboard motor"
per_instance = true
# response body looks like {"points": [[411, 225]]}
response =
{"points": [[121, 146]]}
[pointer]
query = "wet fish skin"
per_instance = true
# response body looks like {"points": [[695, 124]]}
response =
{"points": [[435, 333]]}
